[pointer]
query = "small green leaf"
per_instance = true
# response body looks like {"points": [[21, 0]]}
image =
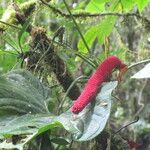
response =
{"points": [[127, 5], [22, 31], [92, 120], [120, 53], [7, 60], [101, 31], [95, 6], [141, 4], [105, 28], [89, 36], [60, 141]]}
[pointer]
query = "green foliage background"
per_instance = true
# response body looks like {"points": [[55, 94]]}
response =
{"points": [[93, 30]]}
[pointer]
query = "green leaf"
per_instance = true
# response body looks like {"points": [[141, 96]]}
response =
{"points": [[23, 107], [92, 120], [59, 141], [101, 31], [7, 60], [22, 31], [141, 4], [143, 73], [95, 6], [25, 124], [105, 28], [22, 103], [120, 53], [89, 36], [127, 5], [21, 92]]}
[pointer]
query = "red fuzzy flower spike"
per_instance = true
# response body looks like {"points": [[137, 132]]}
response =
{"points": [[94, 83]]}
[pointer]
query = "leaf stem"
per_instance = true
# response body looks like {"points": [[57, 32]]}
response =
{"points": [[8, 52], [82, 56], [70, 87], [139, 63], [136, 120], [89, 61]]}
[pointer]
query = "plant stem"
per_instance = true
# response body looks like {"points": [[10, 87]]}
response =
{"points": [[11, 25], [68, 90], [136, 120], [74, 21], [139, 63], [82, 56], [91, 15], [86, 60]]}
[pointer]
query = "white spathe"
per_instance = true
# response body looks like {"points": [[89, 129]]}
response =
{"points": [[143, 73]]}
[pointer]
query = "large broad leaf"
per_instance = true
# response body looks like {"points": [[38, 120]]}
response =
{"points": [[143, 73], [23, 107], [25, 124], [37, 125], [22, 93], [92, 120], [29, 126]]}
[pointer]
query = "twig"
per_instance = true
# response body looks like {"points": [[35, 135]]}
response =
{"points": [[116, 98], [68, 90], [136, 120], [56, 34], [70, 145], [86, 14], [139, 63], [70, 15], [82, 56], [89, 61], [74, 21]]}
